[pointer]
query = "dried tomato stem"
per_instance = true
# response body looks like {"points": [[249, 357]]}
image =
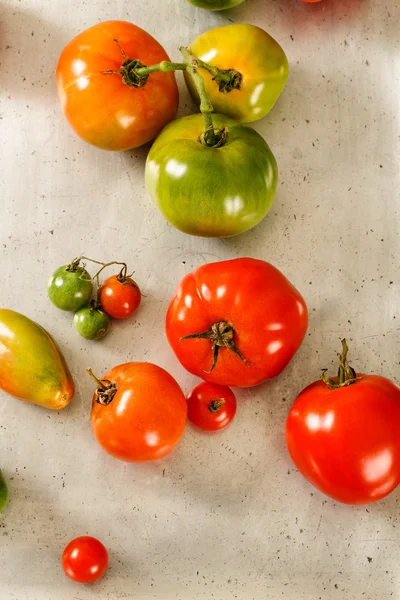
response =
{"points": [[346, 373], [105, 391]]}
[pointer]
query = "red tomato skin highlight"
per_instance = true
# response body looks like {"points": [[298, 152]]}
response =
{"points": [[346, 441]]}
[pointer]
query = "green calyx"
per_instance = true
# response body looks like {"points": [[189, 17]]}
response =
{"points": [[221, 335], [346, 374], [130, 75], [215, 405]]}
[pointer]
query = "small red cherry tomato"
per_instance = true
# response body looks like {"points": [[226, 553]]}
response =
{"points": [[85, 559], [120, 296], [210, 406]]}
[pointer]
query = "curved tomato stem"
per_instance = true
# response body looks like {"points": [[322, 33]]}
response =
{"points": [[346, 373], [227, 79], [106, 389], [210, 137], [123, 273], [135, 74], [216, 404]]}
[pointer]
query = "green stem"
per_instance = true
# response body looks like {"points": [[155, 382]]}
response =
{"points": [[216, 404], [124, 269], [227, 79], [164, 67], [206, 108]]}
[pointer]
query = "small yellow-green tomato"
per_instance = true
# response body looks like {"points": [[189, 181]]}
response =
{"points": [[260, 61]]}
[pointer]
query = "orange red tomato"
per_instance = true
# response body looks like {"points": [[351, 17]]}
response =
{"points": [[100, 103]]}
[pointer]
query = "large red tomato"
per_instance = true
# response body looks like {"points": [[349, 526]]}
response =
{"points": [[343, 435], [97, 90], [138, 412], [236, 322]]}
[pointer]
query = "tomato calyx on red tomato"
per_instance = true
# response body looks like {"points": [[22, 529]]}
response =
{"points": [[106, 389], [221, 335], [216, 404]]}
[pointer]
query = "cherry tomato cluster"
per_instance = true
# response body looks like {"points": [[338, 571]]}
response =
{"points": [[70, 288]]}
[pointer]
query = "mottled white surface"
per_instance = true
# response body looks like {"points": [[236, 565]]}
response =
{"points": [[226, 516]]}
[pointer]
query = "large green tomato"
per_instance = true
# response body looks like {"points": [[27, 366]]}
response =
{"points": [[260, 60], [211, 192], [215, 4]]}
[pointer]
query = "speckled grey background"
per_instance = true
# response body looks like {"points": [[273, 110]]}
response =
{"points": [[226, 516]]}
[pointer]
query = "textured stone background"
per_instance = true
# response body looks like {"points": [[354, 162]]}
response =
{"points": [[226, 516]]}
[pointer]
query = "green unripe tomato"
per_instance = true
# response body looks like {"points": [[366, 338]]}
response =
{"points": [[216, 4], [92, 323], [70, 288], [3, 492], [211, 192]]}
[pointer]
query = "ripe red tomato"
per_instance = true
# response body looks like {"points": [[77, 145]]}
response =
{"points": [[120, 296], [236, 322], [345, 438], [210, 406], [138, 412], [100, 100], [85, 559]]}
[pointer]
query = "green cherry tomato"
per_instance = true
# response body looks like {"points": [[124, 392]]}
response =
{"points": [[216, 4], [92, 323], [211, 192], [3, 492], [70, 287], [258, 58]]}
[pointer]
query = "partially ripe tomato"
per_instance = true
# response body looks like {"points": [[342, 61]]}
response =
{"points": [[120, 296], [85, 559], [343, 435], [261, 66], [101, 98], [138, 412]]}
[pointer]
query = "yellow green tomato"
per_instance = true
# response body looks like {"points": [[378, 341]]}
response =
{"points": [[211, 192], [260, 61], [32, 367], [3, 492], [216, 4]]}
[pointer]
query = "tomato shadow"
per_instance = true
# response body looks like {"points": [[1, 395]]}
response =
{"points": [[29, 50]]}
